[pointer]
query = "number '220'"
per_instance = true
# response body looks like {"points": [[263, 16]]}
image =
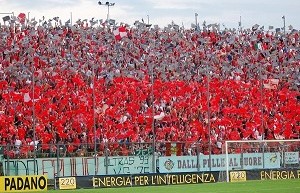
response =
{"points": [[67, 181]]}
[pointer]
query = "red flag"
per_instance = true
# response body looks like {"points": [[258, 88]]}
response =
{"points": [[22, 18]]}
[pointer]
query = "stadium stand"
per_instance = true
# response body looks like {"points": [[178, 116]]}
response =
{"points": [[57, 82]]}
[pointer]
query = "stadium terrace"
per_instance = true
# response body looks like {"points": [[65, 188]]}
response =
{"points": [[85, 84]]}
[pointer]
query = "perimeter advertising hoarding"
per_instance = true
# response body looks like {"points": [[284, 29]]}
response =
{"points": [[277, 174], [114, 181], [23, 183]]}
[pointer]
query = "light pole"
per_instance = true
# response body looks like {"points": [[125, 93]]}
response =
{"points": [[261, 87], [108, 4], [31, 70], [208, 104], [33, 121], [94, 115]]}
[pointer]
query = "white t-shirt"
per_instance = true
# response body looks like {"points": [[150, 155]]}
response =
{"points": [[34, 143], [219, 144], [18, 143]]}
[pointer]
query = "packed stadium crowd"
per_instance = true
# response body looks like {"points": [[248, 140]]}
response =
{"points": [[74, 84]]}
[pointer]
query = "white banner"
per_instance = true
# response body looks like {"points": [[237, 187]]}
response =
{"points": [[79, 166], [246, 161], [291, 157]]}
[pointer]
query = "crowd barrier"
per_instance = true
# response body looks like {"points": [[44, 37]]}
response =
{"points": [[110, 159]]}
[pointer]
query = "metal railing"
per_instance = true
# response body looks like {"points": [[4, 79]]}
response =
{"points": [[130, 158], [106, 149]]}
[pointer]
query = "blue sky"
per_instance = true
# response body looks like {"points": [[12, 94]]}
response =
{"points": [[163, 12]]}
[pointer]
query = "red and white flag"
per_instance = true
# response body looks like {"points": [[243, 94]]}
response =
{"points": [[173, 149], [120, 32]]}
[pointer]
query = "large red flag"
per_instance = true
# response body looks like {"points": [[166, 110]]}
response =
{"points": [[22, 18]]}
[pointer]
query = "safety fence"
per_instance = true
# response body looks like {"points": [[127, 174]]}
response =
{"points": [[58, 160]]}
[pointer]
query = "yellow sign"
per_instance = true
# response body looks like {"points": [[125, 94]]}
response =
{"points": [[67, 183], [23, 183], [238, 176]]}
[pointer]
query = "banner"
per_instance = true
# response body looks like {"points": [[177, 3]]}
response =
{"points": [[23, 183], [80, 166], [252, 161], [246, 161], [278, 174], [113, 181], [143, 164], [126, 165], [291, 157]]}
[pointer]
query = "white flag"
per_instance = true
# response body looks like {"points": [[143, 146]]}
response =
{"points": [[27, 97], [271, 83]]}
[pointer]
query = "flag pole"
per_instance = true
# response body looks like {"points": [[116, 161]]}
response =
{"points": [[262, 111], [196, 20], [28, 18], [148, 19], [283, 17], [153, 123], [240, 24], [94, 117], [208, 107], [261, 101]]}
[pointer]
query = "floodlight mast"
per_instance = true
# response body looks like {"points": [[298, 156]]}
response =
{"points": [[108, 4]]}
